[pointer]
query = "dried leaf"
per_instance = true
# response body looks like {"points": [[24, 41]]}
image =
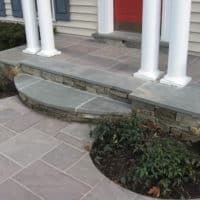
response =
{"points": [[154, 191], [196, 131], [151, 125], [88, 148]]}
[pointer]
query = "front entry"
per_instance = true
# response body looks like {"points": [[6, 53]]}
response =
{"points": [[128, 15]]}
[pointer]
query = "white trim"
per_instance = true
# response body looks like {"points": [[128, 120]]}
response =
{"points": [[105, 16]]}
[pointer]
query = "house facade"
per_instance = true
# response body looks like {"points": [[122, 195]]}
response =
{"points": [[157, 20], [79, 17]]}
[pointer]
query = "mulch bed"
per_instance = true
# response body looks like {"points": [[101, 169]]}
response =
{"points": [[114, 165]]}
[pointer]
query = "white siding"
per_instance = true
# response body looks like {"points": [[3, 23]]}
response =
{"points": [[195, 27], [83, 18]]}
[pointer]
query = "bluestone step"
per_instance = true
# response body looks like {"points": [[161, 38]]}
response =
{"points": [[82, 77], [69, 102], [184, 100]]}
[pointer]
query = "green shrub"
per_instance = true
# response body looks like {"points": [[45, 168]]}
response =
{"points": [[167, 164], [11, 35], [156, 161], [111, 134]]}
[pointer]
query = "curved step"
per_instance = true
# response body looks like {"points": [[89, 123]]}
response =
{"points": [[67, 102]]}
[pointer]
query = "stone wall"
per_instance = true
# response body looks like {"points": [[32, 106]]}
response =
{"points": [[176, 123]]}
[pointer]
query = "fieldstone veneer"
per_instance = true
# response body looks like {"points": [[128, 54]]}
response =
{"points": [[176, 111]]}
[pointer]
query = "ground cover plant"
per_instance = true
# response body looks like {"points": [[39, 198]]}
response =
{"points": [[7, 87], [11, 35], [142, 158]]}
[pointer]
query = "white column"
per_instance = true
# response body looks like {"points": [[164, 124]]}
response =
{"points": [[105, 16], [150, 40], [179, 41], [166, 20], [46, 29], [31, 26]]}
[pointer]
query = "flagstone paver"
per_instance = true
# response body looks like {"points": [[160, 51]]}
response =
{"points": [[63, 156], [79, 50], [28, 147], [36, 164], [79, 131], [10, 190], [94, 61], [8, 114], [5, 134], [23, 122], [7, 168], [50, 126], [113, 52], [72, 140], [107, 190], [86, 171], [50, 183]]}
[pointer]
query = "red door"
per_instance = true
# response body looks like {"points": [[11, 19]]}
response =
{"points": [[128, 15]]}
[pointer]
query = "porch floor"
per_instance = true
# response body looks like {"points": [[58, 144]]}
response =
{"points": [[111, 65], [101, 56]]}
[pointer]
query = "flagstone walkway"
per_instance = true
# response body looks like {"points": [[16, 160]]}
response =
{"points": [[42, 158]]}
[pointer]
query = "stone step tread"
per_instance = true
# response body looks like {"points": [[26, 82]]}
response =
{"points": [[83, 73], [184, 100], [65, 98]]}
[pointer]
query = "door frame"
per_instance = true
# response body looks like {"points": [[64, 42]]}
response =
{"points": [[106, 18]]}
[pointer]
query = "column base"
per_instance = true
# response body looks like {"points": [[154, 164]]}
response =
{"points": [[151, 76], [31, 51], [47, 53], [176, 81]]}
